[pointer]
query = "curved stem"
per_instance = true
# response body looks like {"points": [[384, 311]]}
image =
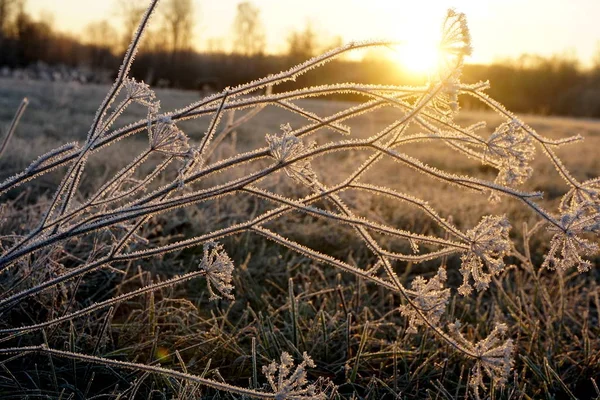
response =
{"points": [[140, 367]]}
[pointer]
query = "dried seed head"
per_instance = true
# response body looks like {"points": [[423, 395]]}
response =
{"points": [[586, 196], [456, 39], [291, 385], [287, 147], [139, 92], [511, 148], [218, 268], [430, 297], [567, 246], [489, 245], [167, 138], [493, 356]]}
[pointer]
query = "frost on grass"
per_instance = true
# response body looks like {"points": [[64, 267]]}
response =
{"points": [[430, 297], [493, 356], [289, 383], [489, 244], [217, 267]]}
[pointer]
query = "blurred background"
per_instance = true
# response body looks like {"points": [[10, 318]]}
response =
{"points": [[541, 57]]}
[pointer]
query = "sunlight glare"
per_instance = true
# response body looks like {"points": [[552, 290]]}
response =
{"points": [[419, 55]]}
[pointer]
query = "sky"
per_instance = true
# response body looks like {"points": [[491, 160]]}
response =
{"points": [[500, 29]]}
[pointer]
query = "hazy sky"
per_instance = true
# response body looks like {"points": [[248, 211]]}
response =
{"points": [[500, 28]]}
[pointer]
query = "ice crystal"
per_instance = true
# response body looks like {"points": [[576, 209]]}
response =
{"points": [[512, 149], [291, 385], [287, 146], [430, 298], [489, 244], [568, 247], [167, 138], [217, 267], [493, 356]]}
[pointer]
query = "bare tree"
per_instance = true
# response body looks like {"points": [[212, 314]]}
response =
{"points": [[103, 39], [8, 9], [130, 12], [249, 36], [178, 23], [303, 44], [101, 34]]}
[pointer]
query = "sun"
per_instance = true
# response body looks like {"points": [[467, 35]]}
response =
{"points": [[418, 56]]}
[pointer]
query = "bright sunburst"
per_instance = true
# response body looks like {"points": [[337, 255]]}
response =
{"points": [[419, 55]]}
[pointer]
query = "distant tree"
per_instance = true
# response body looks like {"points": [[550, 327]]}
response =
{"points": [[303, 44], [215, 45], [178, 23], [8, 10], [130, 12], [102, 39], [248, 31], [101, 34], [596, 59], [34, 38]]}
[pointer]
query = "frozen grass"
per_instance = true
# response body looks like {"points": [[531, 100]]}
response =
{"points": [[133, 326]]}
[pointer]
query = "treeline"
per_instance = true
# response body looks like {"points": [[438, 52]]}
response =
{"points": [[556, 85], [24, 41]]}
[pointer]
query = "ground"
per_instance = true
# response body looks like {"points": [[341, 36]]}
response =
{"points": [[553, 319]]}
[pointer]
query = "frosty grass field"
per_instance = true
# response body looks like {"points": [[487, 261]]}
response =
{"points": [[264, 244], [556, 329]]}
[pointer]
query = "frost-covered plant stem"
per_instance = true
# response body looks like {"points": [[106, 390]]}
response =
{"points": [[13, 125], [22, 351]]}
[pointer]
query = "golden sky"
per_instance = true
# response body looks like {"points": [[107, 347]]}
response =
{"points": [[499, 28]]}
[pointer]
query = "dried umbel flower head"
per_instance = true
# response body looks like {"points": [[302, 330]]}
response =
{"points": [[512, 149], [454, 46], [586, 196], [445, 104], [139, 92], [287, 146], [430, 297], [217, 267], [489, 245], [493, 356], [456, 39], [568, 247], [167, 138], [291, 385]]}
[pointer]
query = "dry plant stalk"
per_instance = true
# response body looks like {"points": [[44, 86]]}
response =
{"points": [[122, 207]]}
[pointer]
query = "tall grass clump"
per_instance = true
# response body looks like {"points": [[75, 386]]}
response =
{"points": [[92, 276]]}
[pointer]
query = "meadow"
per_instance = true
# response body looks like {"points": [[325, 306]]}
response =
{"points": [[263, 242], [284, 302]]}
